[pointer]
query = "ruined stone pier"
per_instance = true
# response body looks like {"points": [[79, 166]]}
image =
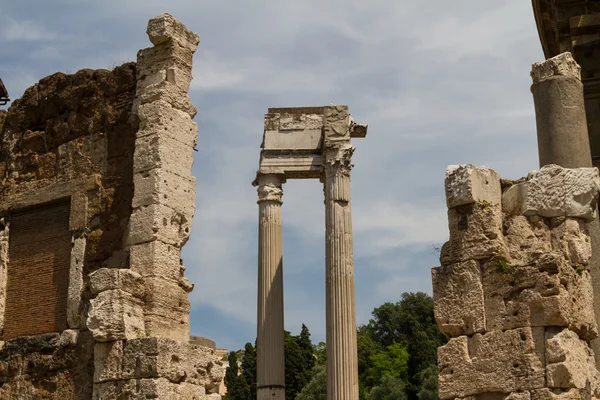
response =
{"points": [[312, 142], [514, 292], [96, 204]]}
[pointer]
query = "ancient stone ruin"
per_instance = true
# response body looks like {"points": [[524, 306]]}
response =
{"points": [[96, 203], [515, 292], [303, 143]]}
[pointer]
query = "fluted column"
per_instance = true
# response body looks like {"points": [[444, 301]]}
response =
{"points": [[270, 336], [342, 359]]}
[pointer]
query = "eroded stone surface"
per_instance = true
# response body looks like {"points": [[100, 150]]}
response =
{"points": [[514, 292], [466, 184]]}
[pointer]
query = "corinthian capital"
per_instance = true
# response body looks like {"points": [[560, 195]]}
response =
{"points": [[338, 159], [269, 187]]}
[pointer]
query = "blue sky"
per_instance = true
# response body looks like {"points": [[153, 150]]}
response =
{"points": [[438, 83]]}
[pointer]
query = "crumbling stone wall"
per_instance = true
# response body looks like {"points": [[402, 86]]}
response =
{"points": [[115, 148], [513, 292]]}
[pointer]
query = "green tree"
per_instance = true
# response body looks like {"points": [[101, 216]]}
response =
{"points": [[393, 362], [428, 387], [367, 348], [308, 356], [410, 322], [294, 367], [320, 352], [390, 388], [237, 389], [316, 389], [248, 369]]}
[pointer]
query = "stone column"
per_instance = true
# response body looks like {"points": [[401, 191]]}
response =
{"points": [[560, 113], [563, 138], [342, 359], [270, 338]]}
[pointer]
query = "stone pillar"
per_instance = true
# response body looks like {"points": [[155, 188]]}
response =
{"points": [[270, 337], [342, 359], [563, 137], [560, 113]]}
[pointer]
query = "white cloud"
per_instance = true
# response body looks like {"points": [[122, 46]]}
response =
{"points": [[25, 31]]}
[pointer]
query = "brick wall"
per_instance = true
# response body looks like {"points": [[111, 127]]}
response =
{"points": [[38, 271]]}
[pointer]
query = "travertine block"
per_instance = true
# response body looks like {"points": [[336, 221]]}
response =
{"points": [[156, 259], [458, 299], [154, 62], [475, 233], [158, 222], [164, 28], [573, 394], [108, 359], [113, 278], [466, 184], [572, 239], [159, 117], [502, 362], [514, 198], [570, 362], [160, 186], [526, 240], [170, 94], [165, 296], [176, 326], [550, 293], [161, 151], [171, 359], [554, 191], [115, 315]]}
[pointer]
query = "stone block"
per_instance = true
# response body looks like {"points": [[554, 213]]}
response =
{"points": [[570, 362], [160, 117], [112, 278], [164, 28], [108, 360], [173, 360], [554, 191], [466, 184], [165, 296], [550, 293], [156, 259], [115, 315], [502, 362], [167, 93], [475, 233], [154, 63], [161, 151], [158, 222], [68, 337], [336, 125], [76, 285], [458, 299], [514, 198], [160, 186], [78, 218], [573, 394], [527, 241], [176, 326], [572, 239]]}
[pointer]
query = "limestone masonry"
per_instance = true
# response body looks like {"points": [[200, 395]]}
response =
{"points": [[514, 292], [96, 202]]}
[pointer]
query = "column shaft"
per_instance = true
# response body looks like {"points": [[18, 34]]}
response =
{"points": [[270, 336], [342, 359]]}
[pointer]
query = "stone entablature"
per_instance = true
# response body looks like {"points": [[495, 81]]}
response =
{"points": [[117, 148], [514, 293]]}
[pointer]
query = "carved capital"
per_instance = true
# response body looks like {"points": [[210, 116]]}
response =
{"points": [[338, 159], [269, 187], [561, 65]]}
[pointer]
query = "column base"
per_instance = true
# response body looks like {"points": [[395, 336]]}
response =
{"points": [[270, 393]]}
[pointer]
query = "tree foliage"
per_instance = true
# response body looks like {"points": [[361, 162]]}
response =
{"points": [[316, 388], [237, 388]]}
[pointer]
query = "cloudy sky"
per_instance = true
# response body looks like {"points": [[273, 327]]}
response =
{"points": [[438, 83]]}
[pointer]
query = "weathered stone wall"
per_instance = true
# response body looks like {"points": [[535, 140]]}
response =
{"points": [[116, 147], [513, 293]]}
